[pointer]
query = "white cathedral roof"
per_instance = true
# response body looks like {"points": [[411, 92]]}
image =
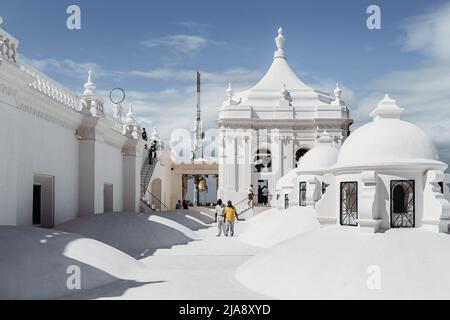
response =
{"points": [[280, 77], [388, 140]]}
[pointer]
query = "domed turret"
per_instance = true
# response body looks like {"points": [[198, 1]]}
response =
{"points": [[387, 140]]}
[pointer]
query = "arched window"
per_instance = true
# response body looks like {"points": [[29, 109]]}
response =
{"points": [[349, 203], [299, 154], [302, 194], [263, 160], [402, 204]]}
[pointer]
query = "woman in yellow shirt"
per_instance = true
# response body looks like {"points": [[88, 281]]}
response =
{"points": [[230, 217]]}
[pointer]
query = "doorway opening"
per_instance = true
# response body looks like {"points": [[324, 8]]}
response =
{"points": [[263, 192], [302, 194], [43, 201], [108, 197], [199, 189], [36, 205]]}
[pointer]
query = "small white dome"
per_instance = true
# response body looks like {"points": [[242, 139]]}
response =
{"points": [[387, 140], [319, 158], [287, 181]]}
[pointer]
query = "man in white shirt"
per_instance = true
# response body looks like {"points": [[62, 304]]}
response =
{"points": [[250, 195], [265, 194], [220, 217]]}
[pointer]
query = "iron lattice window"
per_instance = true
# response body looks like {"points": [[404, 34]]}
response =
{"points": [[441, 185], [402, 204], [324, 187], [302, 194], [349, 204], [286, 201]]}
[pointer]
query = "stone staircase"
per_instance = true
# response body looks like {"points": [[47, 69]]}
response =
{"points": [[146, 176]]}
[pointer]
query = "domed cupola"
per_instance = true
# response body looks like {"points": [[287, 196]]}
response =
{"points": [[388, 141], [322, 157]]}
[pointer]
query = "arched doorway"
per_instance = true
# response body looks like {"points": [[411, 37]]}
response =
{"points": [[156, 192], [299, 154], [402, 204]]}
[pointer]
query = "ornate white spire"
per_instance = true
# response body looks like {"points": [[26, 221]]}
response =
{"points": [[280, 41], [130, 111], [230, 97], [337, 92], [130, 115], [89, 86], [230, 92], [387, 108]]}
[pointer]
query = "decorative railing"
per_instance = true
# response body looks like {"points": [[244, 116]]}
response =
{"points": [[8, 46], [117, 125], [51, 88]]}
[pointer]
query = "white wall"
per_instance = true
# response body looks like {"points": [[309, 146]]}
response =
{"points": [[35, 146], [109, 169], [41, 136]]}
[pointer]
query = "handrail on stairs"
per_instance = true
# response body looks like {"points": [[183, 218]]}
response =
{"points": [[154, 197], [146, 182], [243, 205]]}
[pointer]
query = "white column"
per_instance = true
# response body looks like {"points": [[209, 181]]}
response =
{"points": [[132, 164]]}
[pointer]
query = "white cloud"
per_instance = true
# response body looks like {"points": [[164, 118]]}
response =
{"points": [[67, 67], [194, 26], [429, 33], [180, 43], [237, 74], [423, 91]]}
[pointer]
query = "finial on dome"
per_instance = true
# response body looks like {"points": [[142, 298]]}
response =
{"points": [[89, 86], [1, 20], [280, 40], [325, 138], [387, 108]]}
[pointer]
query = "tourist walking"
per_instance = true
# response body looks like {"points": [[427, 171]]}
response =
{"points": [[220, 217], [265, 195], [230, 217], [250, 195], [144, 134]]}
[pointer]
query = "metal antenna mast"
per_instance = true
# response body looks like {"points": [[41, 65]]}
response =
{"points": [[198, 130]]}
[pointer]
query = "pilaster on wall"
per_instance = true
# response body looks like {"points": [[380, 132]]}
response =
{"points": [[434, 202], [132, 164], [368, 203], [312, 186], [87, 134], [93, 134]]}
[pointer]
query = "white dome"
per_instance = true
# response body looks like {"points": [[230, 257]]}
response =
{"points": [[319, 158], [286, 181], [387, 140]]}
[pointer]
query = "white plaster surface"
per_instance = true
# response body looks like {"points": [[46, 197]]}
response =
{"points": [[333, 263]]}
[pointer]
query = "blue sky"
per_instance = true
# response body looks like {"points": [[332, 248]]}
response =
{"points": [[153, 48]]}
